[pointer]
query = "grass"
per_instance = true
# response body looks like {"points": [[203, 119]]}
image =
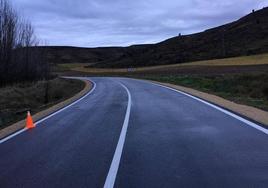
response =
{"points": [[246, 89], [15, 100], [70, 66], [261, 59]]}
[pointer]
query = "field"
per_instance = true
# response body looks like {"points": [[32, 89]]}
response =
{"points": [[225, 65], [17, 99], [243, 80]]}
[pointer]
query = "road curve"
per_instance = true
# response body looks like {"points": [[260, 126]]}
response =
{"points": [[131, 133]]}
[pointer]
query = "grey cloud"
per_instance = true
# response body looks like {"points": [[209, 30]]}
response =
{"points": [[126, 22]]}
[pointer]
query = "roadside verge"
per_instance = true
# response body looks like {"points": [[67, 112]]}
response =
{"points": [[40, 115], [249, 112]]}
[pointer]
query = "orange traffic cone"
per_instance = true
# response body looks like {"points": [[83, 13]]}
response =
{"points": [[29, 121]]}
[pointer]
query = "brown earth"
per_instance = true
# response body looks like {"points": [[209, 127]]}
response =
{"points": [[185, 70]]}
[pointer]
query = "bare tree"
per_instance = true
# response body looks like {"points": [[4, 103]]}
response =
{"points": [[8, 22], [19, 61]]}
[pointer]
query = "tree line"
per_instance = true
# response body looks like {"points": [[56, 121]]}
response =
{"points": [[19, 59]]}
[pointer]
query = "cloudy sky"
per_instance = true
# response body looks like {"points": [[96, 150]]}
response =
{"points": [[92, 23]]}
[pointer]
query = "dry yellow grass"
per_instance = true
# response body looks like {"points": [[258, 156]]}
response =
{"points": [[244, 60], [73, 65], [241, 61], [98, 70]]}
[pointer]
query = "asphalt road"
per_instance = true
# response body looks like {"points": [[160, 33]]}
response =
{"points": [[129, 133]]}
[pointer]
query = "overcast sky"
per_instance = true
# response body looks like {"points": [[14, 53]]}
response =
{"points": [[92, 23]]}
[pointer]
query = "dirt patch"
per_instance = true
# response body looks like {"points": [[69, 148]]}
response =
{"points": [[208, 70]]}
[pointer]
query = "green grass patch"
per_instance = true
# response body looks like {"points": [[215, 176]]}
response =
{"points": [[249, 89]]}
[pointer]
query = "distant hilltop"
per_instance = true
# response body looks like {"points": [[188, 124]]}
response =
{"points": [[246, 36]]}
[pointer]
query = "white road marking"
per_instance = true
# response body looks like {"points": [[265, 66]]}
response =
{"points": [[49, 116], [110, 179], [254, 125], [12, 135]]}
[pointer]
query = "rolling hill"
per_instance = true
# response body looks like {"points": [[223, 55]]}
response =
{"points": [[246, 36]]}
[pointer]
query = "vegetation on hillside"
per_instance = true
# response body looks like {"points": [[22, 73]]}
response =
{"points": [[18, 61], [246, 36]]}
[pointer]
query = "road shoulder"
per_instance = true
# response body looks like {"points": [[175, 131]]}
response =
{"points": [[249, 112], [40, 115]]}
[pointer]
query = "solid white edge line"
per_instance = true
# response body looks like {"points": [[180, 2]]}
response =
{"points": [[254, 125], [110, 179], [49, 116], [12, 135]]}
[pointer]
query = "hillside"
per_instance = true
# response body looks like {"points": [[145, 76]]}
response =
{"points": [[246, 36]]}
